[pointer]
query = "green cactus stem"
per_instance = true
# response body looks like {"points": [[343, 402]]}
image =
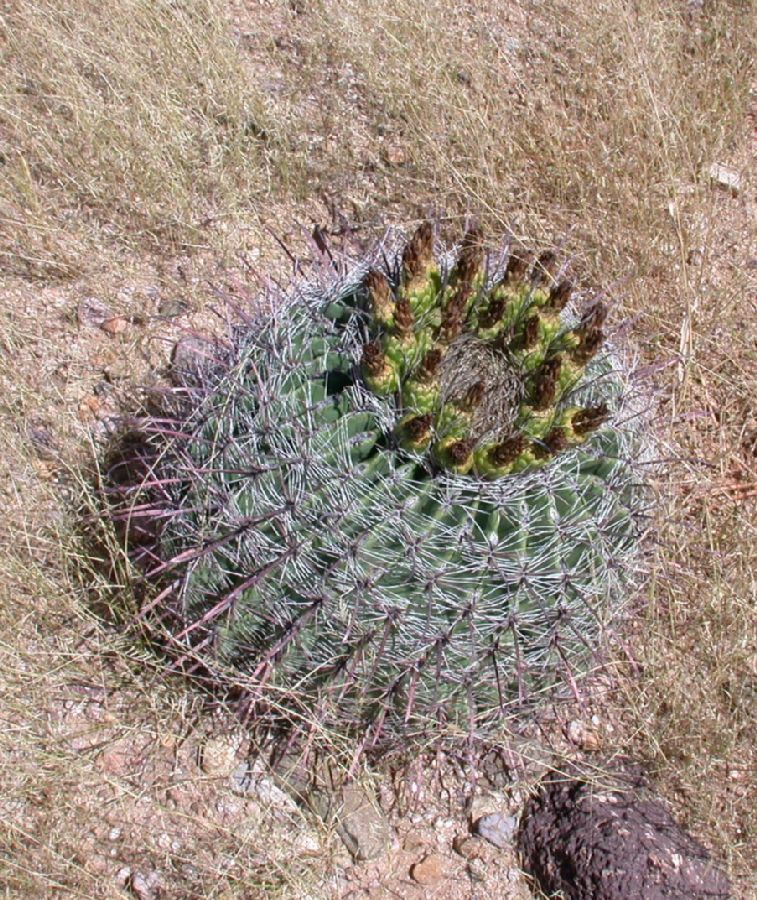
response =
{"points": [[409, 502]]}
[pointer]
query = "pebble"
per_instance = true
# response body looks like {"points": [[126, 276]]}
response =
{"points": [[93, 312], [114, 325], [429, 870], [219, 756], [361, 825], [41, 438], [485, 805], [583, 737], [477, 870], [171, 307], [725, 177], [249, 780], [145, 886], [413, 840], [469, 847], [497, 829], [306, 843]]}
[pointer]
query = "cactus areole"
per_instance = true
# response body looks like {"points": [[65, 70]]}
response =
{"points": [[409, 499]]}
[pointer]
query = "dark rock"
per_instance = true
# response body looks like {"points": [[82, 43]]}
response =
{"points": [[607, 838]]}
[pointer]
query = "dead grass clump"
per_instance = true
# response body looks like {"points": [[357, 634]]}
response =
{"points": [[596, 118], [128, 120]]}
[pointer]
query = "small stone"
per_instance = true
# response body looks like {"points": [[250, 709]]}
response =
{"points": [[360, 824], [444, 828], [583, 737], [218, 755], [476, 870], [114, 325], [469, 847], [250, 780], [114, 834], [93, 312], [170, 307], [485, 805], [497, 829], [145, 886], [429, 870], [307, 844], [725, 177], [413, 840], [89, 407], [394, 155], [41, 438], [190, 356]]}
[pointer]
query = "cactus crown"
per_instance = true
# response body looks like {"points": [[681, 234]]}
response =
{"points": [[410, 498], [480, 363]]}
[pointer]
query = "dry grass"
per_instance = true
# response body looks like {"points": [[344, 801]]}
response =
{"points": [[135, 133], [130, 122]]}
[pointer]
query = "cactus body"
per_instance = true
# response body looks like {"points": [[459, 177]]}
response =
{"points": [[402, 501]]}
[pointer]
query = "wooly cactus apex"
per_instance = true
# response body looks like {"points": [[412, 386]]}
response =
{"points": [[408, 499]]}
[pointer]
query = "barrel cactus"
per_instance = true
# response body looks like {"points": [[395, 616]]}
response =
{"points": [[408, 499]]}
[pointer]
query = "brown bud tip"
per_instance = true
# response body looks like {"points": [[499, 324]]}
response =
{"points": [[530, 331], [528, 334], [545, 385], [376, 283], [471, 256], [587, 420], [594, 315], [373, 358], [493, 314], [474, 395], [419, 251], [560, 294], [403, 317], [554, 442], [517, 265], [452, 321], [430, 365], [419, 427], [460, 451], [380, 294], [508, 450], [544, 269], [590, 341]]}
